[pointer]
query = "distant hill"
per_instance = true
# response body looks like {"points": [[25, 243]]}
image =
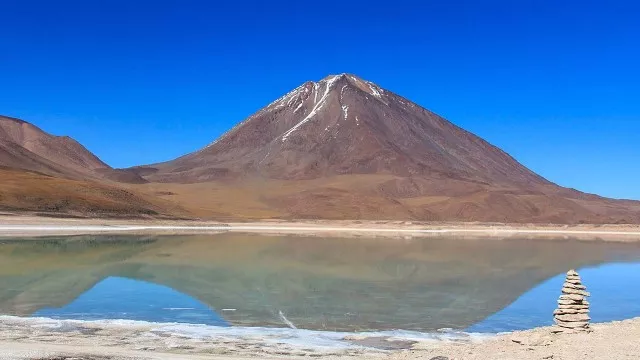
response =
{"points": [[42, 173], [25, 146]]}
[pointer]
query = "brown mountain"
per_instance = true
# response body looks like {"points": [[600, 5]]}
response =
{"points": [[25, 146], [344, 148], [346, 125], [43, 173], [340, 148]]}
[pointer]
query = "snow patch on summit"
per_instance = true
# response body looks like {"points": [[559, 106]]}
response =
{"points": [[297, 95], [375, 90], [279, 103], [318, 105]]}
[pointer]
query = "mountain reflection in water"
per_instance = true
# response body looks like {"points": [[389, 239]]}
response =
{"points": [[613, 297], [352, 284], [121, 298]]}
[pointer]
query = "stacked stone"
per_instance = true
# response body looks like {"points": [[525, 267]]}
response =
{"points": [[572, 313]]}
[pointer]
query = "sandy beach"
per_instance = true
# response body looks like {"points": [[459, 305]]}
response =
{"points": [[11, 225], [615, 340], [49, 339]]}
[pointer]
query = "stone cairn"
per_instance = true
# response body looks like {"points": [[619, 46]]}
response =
{"points": [[572, 314]]}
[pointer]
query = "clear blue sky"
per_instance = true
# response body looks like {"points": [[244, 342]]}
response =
{"points": [[554, 83]]}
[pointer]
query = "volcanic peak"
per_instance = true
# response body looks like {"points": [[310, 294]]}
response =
{"points": [[297, 98]]}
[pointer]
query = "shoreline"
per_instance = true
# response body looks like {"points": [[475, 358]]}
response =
{"points": [[40, 226], [196, 340], [40, 338]]}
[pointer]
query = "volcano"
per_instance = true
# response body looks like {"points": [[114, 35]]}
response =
{"points": [[341, 148], [345, 148], [346, 125]]}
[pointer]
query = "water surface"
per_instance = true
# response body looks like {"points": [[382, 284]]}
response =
{"points": [[316, 283]]}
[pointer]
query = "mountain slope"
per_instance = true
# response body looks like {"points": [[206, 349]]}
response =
{"points": [[344, 148], [49, 174], [25, 146], [28, 192]]}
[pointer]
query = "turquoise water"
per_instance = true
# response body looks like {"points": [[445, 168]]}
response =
{"points": [[615, 296], [355, 284], [122, 298]]}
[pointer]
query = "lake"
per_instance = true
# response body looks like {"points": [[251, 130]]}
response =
{"points": [[316, 283]]}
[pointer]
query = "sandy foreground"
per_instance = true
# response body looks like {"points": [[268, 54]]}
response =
{"points": [[20, 340], [13, 225]]}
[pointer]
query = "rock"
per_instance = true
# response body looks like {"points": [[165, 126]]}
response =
{"points": [[572, 325], [571, 330], [566, 302], [573, 318], [577, 282], [567, 285], [562, 311], [440, 358], [571, 297], [575, 292], [557, 329], [562, 302], [574, 307], [572, 272]]}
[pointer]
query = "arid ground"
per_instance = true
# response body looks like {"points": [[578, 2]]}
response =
{"points": [[617, 340], [33, 225]]}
